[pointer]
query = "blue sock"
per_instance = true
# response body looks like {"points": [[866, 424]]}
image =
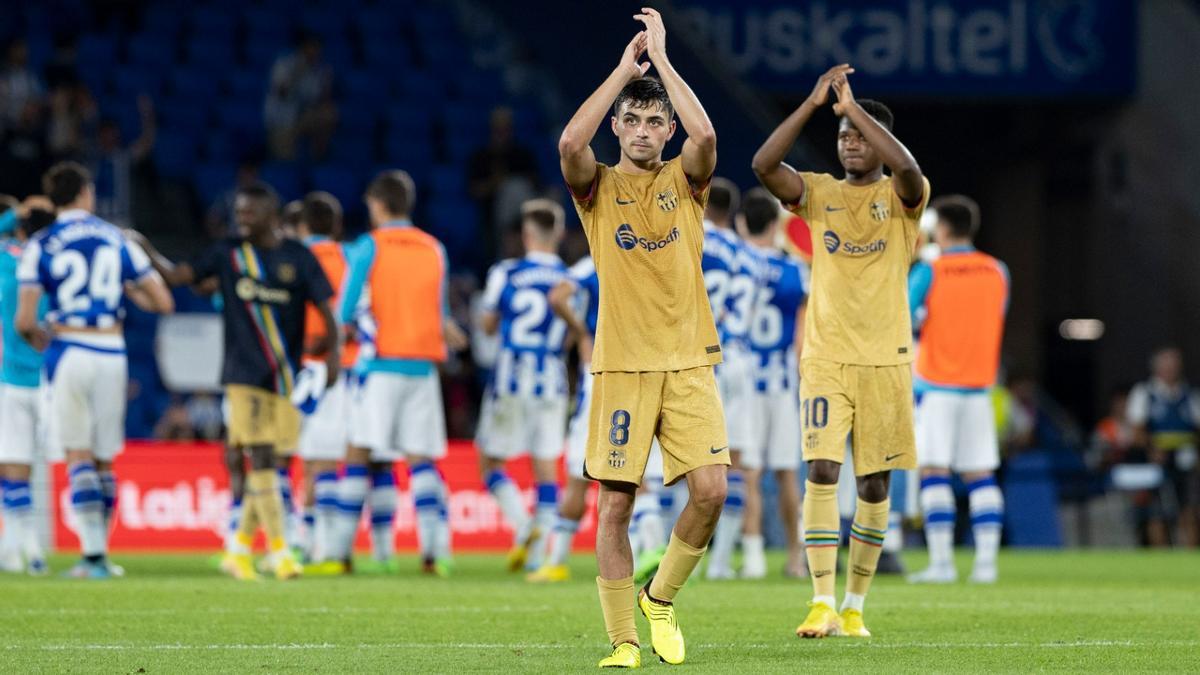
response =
{"points": [[383, 513]]}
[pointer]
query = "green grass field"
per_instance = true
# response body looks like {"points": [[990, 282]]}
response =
{"points": [[1104, 611]]}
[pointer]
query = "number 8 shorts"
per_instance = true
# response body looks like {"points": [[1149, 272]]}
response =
{"points": [[680, 408], [871, 404]]}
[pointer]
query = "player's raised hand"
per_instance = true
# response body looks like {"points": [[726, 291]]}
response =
{"points": [[656, 33], [633, 52], [845, 96], [820, 92]]}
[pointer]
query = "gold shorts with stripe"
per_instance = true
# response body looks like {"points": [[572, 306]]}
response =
{"points": [[261, 417], [681, 408], [873, 405]]}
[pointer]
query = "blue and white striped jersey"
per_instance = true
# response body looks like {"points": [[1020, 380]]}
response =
{"points": [[773, 328], [530, 362], [733, 277], [82, 263], [584, 274], [717, 263]]}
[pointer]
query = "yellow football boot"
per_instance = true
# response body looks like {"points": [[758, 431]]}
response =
{"points": [[625, 655], [852, 624], [822, 621], [239, 566], [326, 568], [665, 637], [549, 574], [287, 567], [520, 551]]}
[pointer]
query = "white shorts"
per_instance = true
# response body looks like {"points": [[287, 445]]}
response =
{"points": [[89, 377], [775, 427], [323, 434], [735, 384], [400, 416], [512, 426], [577, 430], [957, 431], [22, 425]]}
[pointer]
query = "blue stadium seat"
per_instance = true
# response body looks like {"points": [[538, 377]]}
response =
{"points": [[219, 146], [183, 116], [211, 179], [338, 54], [358, 120], [467, 121], [380, 23], [285, 177], [423, 86], [151, 49], [363, 85], [125, 113], [409, 150], [97, 49], [212, 23], [210, 53], [448, 181], [386, 55], [460, 147], [243, 120], [132, 82], [409, 119], [95, 76], [478, 87], [330, 23], [162, 19], [246, 84], [174, 155], [351, 149], [455, 224], [197, 84], [263, 23], [341, 181], [261, 54]]}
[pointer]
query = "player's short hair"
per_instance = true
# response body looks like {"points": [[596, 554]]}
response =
{"points": [[642, 93], [759, 210], [395, 190], [8, 203], [321, 213], [723, 196], [879, 111], [960, 213], [293, 212], [259, 190], [65, 181], [546, 215]]}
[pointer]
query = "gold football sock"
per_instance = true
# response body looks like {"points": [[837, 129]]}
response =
{"points": [[676, 566], [263, 484], [616, 601], [866, 542], [821, 533], [247, 526]]}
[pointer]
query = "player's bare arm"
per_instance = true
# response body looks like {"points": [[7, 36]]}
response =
{"points": [[456, 338], [560, 303], [151, 294], [489, 322], [576, 158], [799, 338], [776, 175], [699, 155], [907, 179], [173, 274]]}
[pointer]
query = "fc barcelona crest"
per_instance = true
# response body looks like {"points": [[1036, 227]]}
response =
{"points": [[667, 201], [880, 211], [286, 273]]}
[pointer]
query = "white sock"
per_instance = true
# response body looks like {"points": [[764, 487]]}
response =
{"points": [[235, 519], [426, 486], [828, 600], [753, 554], [87, 501], [442, 539], [893, 541], [545, 518], [560, 544], [325, 493], [729, 527], [511, 504], [382, 500], [853, 601], [937, 502], [987, 519], [19, 533], [647, 514], [352, 492]]}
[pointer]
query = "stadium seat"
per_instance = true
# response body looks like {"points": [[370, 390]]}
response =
{"points": [[467, 121], [125, 114], [218, 146], [162, 19], [197, 84], [409, 119], [409, 150], [174, 155], [423, 86], [97, 49], [460, 148], [133, 82], [339, 55], [210, 179], [329, 22], [479, 87], [455, 224], [448, 182], [359, 119], [150, 49], [285, 177], [386, 55], [246, 84], [212, 23], [213, 54], [243, 120], [261, 54], [363, 85], [265, 24], [379, 23], [183, 116], [352, 149], [341, 181], [95, 76]]}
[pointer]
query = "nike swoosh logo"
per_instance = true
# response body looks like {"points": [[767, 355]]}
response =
{"points": [[625, 203], [891, 457], [830, 209], [717, 451]]}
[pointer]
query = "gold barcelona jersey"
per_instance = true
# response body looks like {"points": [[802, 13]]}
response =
{"points": [[863, 242], [646, 234]]}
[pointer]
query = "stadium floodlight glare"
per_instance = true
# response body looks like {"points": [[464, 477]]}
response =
{"points": [[1081, 329]]}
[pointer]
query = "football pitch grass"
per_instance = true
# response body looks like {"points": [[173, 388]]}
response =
{"points": [[1077, 611]]}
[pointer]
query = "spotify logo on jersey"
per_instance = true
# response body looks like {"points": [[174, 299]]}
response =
{"points": [[626, 239], [832, 241]]}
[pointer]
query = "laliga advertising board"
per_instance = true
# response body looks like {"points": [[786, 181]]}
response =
{"points": [[175, 496]]}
